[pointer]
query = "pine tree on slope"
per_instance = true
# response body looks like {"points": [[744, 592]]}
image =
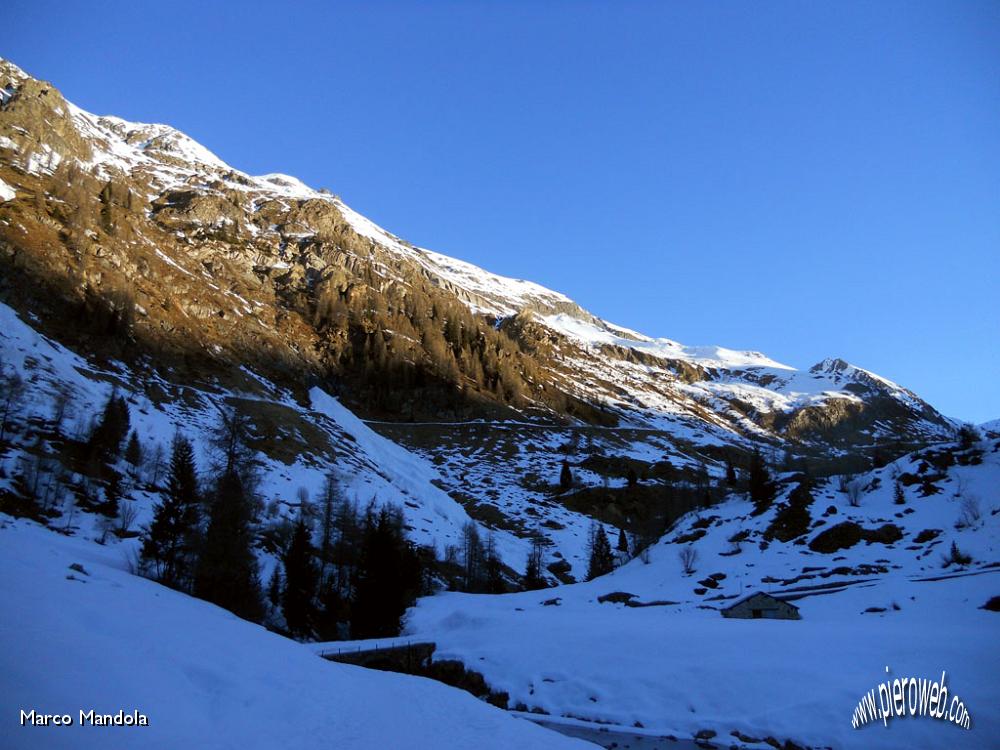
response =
{"points": [[133, 451], [168, 549], [301, 579], [622, 542], [761, 487], [565, 477], [106, 439], [602, 560], [387, 579], [227, 569]]}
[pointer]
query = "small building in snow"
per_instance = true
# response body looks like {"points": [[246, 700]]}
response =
{"points": [[762, 606]]}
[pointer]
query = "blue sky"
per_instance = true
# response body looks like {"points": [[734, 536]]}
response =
{"points": [[804, 179]]}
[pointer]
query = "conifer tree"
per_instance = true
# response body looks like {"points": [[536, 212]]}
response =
{"points": [[169, 547], [301, 579], [274, 587], [565, 477], [112, 427], [622, 541], [331, 613], [388, 577], [133, 451], [761, 487], [112, 494], [227, 569], [731, 477], [602, 560], [879, 457], [347, 547]]}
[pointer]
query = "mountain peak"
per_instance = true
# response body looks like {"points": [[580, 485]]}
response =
{"points": [[250, 264]]}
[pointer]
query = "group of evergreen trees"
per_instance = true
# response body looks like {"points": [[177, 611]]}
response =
{"points": [[601, 558], [202, 540], [342, 570]]}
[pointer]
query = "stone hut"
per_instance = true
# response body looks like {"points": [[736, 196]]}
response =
{"points": [[759, 605]]}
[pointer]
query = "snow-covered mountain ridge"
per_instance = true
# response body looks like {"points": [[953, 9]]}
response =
{"points": [[166, 161], [139, 230]]}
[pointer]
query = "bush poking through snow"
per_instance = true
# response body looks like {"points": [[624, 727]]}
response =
{"points": [[956, 556], [898, 495], [970, 513], [689, 559], [967, 436], [127, 513]]}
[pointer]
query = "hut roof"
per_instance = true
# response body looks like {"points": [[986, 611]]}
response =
{"points": [[755, 594]]}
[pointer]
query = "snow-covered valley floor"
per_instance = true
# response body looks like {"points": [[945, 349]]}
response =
{"points": [[679, 673], [107, 640], [678, 667]]}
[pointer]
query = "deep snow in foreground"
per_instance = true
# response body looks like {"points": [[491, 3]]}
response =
{"points": [[678, 673], [679, 667], [108, 640]]}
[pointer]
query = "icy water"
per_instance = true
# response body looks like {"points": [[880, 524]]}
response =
{"points": [[616, 738]]}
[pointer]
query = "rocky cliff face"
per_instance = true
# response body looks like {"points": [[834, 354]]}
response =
{"points": [[155, 246]]}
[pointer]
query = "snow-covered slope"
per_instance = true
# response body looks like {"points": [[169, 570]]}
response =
{"points": [[96, 638], [671, 663], [313, 440]]}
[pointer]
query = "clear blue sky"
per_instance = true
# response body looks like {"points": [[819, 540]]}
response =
{"points": [[804, 179]]}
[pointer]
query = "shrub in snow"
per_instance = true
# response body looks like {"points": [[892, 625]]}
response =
{"points": [[689, 559], [967, 436], [969, 514], [956, 556], [898, 496]]}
